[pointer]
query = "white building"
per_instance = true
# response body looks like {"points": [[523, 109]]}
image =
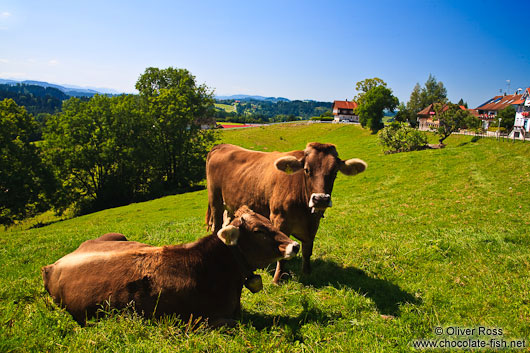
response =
{"points": [[521, 126]]}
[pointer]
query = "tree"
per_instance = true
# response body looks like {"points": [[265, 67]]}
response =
{"points": [[26, 184], [414, 105], [100, 150], [372, 104], [173, 103], [462, 103], [507, 116], [433, 92], [451, 118], [366, 85], [403, 114]]}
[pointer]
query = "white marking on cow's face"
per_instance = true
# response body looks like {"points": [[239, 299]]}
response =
{"points": [[320, 200], [291, 250]]}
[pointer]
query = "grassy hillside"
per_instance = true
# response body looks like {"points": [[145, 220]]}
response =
{"points": [[226, 107], [420, 240]]}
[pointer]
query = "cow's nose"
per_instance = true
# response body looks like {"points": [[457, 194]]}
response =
{"points": [[292, 250], [296, 247], [322, 198]]}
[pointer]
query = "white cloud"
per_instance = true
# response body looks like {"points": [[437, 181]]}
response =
{"points": [[4, 61], [5, 14], [53, 62]]}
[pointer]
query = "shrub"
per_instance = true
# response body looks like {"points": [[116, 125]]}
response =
{"points": [[398, 137]]}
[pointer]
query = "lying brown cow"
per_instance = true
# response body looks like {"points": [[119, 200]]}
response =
{"points": [[274, 185], [203, 279]]}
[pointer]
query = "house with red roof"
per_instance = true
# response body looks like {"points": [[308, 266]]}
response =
{"points": [[487, 112], [427, 116], [344, 111]]}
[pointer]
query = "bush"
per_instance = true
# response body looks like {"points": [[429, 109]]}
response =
{"points": [[398, 137]]}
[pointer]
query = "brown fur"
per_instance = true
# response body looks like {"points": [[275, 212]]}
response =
{"points": [[237, 176], [200, 279]]}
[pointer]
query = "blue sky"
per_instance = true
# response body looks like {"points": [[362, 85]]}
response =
{"points": [[295, 49]]}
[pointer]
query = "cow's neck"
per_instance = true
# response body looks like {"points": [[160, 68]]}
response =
{"points": [[218, 256]]}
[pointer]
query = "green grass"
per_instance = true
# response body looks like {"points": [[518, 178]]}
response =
{"points": [[226, 107], [421, 239]]}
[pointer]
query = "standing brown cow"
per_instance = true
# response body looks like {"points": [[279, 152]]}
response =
{"points": [[201, 279], [273, 184]]}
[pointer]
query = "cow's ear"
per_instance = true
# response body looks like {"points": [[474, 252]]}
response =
{"points": [[352, 166], [226, 218], [288, 164], [229, 235]]}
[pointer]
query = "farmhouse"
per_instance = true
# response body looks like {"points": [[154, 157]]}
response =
{"points": [[487, 112], [427, 117], [344, 111]]}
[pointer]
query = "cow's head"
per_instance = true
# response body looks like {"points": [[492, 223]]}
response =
{"points": [[320, 164], [259, 241]]}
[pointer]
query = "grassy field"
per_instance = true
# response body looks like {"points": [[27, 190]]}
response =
{"points": [[226, 107], [436, 238]]}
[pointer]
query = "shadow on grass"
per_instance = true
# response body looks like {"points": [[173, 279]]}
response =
{"points": [[308, 314], [386, 295], [44, 224]]}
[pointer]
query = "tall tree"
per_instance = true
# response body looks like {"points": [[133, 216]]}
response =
{"points": [[371, 106], [100, 151], [25, 182], [173, 102], [414, 105], [433, 92], [367, 84]]}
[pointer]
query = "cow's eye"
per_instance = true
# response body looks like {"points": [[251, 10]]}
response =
{"points": [[307, 171]]}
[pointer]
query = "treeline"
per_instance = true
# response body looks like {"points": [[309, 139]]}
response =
{"points": [[36, 99], [258, 111], [106, 151]]}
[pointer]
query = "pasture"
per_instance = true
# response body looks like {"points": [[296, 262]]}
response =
{"points": [[435, 238]]}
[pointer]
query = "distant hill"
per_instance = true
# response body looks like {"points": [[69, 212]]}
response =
{"points": [[70, 90], [245, 97]]}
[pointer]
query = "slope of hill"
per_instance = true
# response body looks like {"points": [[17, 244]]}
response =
{"points": [[420, 240], [70, 90], [249, 97]]}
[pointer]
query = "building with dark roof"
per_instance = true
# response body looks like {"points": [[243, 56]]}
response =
{"points": [[487, 112]]}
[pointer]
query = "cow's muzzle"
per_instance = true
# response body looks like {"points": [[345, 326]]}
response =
{"points": [[291, 250], [319, 201]]}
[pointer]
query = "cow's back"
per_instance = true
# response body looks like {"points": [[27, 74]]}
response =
{"points": [[242, 177], [81, 281]]}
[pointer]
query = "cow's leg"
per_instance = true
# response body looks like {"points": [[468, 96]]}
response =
{"points": [[279, 271], [215, 200], [307, 251], [279, 221]]}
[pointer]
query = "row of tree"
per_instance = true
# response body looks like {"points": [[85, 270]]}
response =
{"points": [[375, 97], [262, 111], [106, 151]]}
